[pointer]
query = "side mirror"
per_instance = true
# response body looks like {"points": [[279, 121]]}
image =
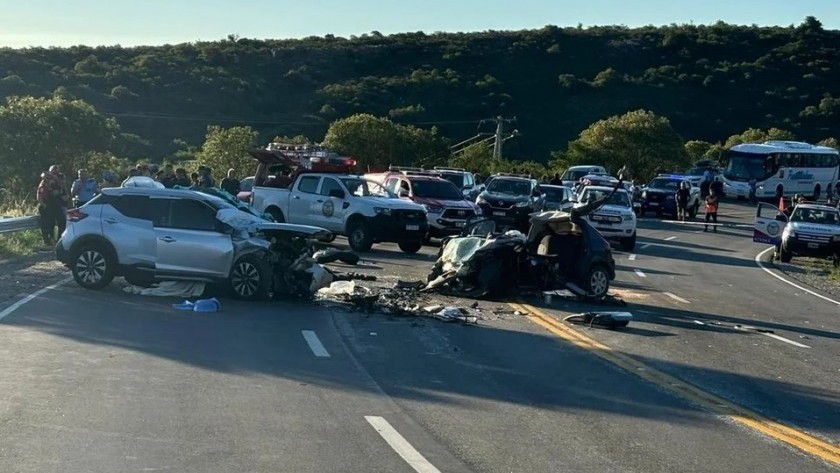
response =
{"points": [[337, 193]]}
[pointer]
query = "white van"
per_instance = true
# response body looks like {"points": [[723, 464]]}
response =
{"points": [[572, 175]]}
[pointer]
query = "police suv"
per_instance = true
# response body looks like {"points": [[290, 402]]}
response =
{"points": [[614, 220], [811, 230]]}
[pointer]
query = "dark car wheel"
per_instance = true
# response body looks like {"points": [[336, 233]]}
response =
{"points": [[597, 281], [250, 278], [276, 214], [784, 255], [359, 237], [411, 247], [93, 266], [627, 244]]}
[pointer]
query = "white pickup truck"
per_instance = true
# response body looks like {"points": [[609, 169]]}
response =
{"points": [[344, 204]]}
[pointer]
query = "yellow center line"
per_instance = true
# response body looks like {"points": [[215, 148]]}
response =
{"points": [[711, 402]]}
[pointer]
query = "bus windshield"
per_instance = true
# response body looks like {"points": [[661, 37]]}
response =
{"points": [[747, 166]]}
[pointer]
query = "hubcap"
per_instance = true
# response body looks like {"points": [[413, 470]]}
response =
{"points": [[245, 279], [358, 235], [90, 266], [598, 282]]}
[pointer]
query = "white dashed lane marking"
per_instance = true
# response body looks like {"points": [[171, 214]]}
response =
{"points": [[640, 273], [677, 298], [315, 344]]}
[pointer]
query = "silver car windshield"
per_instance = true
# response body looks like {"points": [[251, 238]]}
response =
{"points": [[364, 188], [619, 198], [819, 216]]}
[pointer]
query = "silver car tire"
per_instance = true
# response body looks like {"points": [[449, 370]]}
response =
{"points": [[250, 278], [93, 266], [598, 282]]}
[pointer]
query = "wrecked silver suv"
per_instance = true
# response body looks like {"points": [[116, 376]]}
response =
{"points": [[148, 235]]}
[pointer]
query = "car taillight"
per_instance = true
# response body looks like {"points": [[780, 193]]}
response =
{"points": [[74, 215]]}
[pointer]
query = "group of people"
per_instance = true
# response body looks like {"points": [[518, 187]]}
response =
{"points": [[55, 197], [711, 190]]}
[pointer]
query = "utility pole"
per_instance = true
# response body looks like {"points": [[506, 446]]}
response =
{"points": [[500, 135]]}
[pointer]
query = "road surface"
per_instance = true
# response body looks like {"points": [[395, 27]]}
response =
{"points": [[105, 381]]}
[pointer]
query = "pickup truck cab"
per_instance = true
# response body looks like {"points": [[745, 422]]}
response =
{"points": [[344, 204], [811, 230]]}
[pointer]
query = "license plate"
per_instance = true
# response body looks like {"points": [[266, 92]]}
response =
{"points": [[412, 228], [460, 224], [499, 214], [813, 246], [653, 204]]}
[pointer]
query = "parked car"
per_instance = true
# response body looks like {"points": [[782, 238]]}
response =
{"points": [[572, 176], [509, 200], [463, 180], [660, 196], [615, 219], [323, 193], [812, 230], [149, 234], [557, 197], [446, 208]]}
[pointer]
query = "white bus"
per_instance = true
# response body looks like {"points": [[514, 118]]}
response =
{"points": [[780, 168]]}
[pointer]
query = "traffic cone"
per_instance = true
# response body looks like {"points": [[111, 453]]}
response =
{"points": [[781, 204]]}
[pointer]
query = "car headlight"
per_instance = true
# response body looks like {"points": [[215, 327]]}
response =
{"points": [[432, 209], [644, 194], [523, 204], [382, 210], [480, 200]]}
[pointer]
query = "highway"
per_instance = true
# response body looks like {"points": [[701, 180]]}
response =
{"points": [[725, 368]]}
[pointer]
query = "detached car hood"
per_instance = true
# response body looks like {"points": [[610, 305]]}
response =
{"points": [[492, 196]]}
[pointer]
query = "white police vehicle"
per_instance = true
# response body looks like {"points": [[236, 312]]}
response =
{"points": [[615, 220], [811, 230]]}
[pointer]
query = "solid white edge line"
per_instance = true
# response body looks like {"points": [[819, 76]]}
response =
{"points": [[783, 339], [671, 238], [640, 273], [771, 273], [632, 257], [400, 445], [8, 310], [677, 298], [315, 344]]}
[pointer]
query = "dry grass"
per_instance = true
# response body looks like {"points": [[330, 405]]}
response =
{"points": [[18, 243]]}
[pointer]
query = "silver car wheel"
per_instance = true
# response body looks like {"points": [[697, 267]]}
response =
{"points": [[245, 279], [90, 266], [599, 282]]}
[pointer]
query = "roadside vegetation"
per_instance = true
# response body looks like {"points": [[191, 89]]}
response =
{"points": [[19, 243]]}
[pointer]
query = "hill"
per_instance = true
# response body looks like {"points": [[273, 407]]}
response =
{"points": [[710, 81]]}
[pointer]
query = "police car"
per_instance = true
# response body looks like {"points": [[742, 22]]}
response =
{"points": [[660, 195], [811, 230], [615, 220]]}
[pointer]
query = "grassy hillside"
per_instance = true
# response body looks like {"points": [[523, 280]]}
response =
{"points": [[711, 81]]}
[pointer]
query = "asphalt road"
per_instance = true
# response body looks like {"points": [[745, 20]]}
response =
{"points": [[105, 381]]}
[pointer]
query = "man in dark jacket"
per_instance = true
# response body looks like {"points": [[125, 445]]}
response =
{"points": [[555, 181], [683, 194], [231, 183]]}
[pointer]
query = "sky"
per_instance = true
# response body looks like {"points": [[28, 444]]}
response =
{"points": [[25, 23]]}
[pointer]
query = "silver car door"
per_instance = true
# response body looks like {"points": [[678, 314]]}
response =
{"points": [[127, 224], [303, 201], [189, 243], [330, 208]]}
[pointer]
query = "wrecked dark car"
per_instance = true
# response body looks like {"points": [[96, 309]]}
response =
{"points": [[561, 251]]}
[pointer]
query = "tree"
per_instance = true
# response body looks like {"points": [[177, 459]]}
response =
{"points": [[226, 148], [477, 158], [831, 143], [292, 140], [38, 132], [379, 142], [640, 140], [698, 149], [757, 135]]}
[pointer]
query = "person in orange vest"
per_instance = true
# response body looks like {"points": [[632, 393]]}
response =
{"points": [[712, 202]]}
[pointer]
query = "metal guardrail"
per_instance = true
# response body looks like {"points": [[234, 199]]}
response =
{"points": [[16, 224]]}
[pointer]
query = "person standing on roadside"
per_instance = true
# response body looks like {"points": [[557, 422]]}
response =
{"points": [[230, 184], [716, 186], [168, 178], [555, 181], [683, 194], [705, 186], [52, 202], [712, 202], [83, 189]]}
